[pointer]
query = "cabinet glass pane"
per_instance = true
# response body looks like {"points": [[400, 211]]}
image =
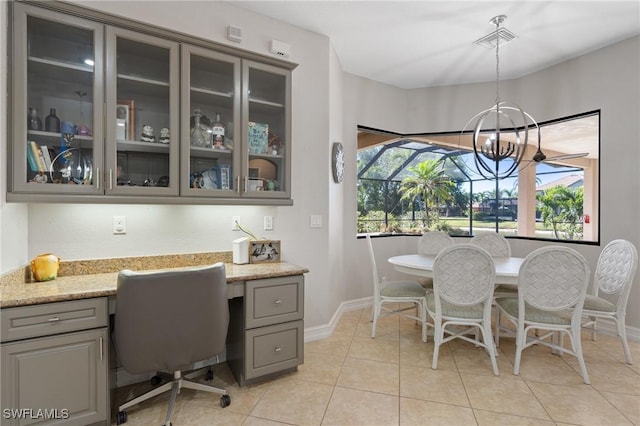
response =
{"points": [[60, 92], [212, 101], [142, 113], [266, 131]]}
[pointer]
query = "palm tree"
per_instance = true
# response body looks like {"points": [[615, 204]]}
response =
{"points": [[562, 209], [429, 184]]}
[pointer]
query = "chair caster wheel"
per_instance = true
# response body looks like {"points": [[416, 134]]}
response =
{"points": [[121, 418], [208, 375], [225, 401], [155, 380]]}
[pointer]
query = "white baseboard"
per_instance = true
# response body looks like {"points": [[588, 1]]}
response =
{"points": [[609, 328], [323, 331]]}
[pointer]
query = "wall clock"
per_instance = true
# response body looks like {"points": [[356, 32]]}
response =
{"points": [[337, 162]]}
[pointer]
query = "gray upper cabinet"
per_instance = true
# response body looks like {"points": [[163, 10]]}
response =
{"points": [[57, 71], [211, 98], [144, 116]]}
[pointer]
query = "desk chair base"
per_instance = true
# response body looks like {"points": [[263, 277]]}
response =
{"points": [[177, 382]]}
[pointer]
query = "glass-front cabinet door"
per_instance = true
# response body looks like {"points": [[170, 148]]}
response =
{"points": [[56, 117], [142, 120], [210, 123], [267, 131]]}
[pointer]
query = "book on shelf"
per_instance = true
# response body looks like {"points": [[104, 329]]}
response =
{"points": [[47, 157], [37, 155], [33, 165]]}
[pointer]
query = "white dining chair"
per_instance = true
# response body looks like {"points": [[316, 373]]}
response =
{"points": [[552, 285], [615, 271], [432, 243], [396, 292], [497, 246], [464, 279]]}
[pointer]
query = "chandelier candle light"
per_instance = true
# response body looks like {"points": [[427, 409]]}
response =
{"points": [[502, 131]]}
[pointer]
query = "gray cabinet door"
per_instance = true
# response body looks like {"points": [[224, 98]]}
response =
{"points": [[56, 380]]}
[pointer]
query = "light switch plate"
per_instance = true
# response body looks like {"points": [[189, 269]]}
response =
{"points": [[268, 223], [316, 221]]}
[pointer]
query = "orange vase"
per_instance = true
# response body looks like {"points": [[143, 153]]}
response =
{"points": [[44, 267]]}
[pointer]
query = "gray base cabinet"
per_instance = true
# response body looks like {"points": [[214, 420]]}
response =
{"points": [[266, 332], [55, 364]]}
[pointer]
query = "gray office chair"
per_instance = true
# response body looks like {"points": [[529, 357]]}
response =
{"points": [[165, 322]]}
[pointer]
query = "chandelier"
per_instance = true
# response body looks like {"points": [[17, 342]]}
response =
{"points": [[501, 132]]}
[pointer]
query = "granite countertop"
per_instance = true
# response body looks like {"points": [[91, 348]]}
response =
{"points": [[99, 283]]}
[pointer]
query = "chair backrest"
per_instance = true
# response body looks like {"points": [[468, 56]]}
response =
{"points": [[433, 242], [169, 320], [494, 243], [463, 274], [553, 278], [616, 269]]}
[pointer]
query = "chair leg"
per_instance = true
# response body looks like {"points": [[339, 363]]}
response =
{"points": [[423, 315], [576, 342], [175, 390], [622, 333], [594, 331], [521, 339], [438, 335], [376, 313], [488, 340]]}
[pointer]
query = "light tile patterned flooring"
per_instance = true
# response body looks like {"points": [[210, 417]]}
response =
{"points": [[351, 379]]}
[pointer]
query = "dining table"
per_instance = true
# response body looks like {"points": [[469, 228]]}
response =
{"points": [[507, 268]]}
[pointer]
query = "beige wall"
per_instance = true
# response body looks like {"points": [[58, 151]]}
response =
{"points": [[583, 84]]}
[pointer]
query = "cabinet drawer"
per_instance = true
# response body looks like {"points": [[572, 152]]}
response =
{"points": [[52, 318], [274, 300], [274, 348]]}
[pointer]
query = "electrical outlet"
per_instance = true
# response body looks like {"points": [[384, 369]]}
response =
{"points": [[268, 223], [119, 225], [235, 221]]}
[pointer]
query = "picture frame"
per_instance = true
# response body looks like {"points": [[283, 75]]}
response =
{"points": [[125, 120], [265, 251], [254, 173]]}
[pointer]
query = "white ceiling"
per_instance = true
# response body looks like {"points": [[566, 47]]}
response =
{"points": [[411, 44]]}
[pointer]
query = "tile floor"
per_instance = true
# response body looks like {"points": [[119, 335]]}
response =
{"points": [[351, 379]]}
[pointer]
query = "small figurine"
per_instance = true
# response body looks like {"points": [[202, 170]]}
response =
{"points": [[147, 134], [164, 136], [41, 177]]}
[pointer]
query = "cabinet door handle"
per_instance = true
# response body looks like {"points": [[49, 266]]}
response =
{"points": [[98, 177], [277, 301], [54, 319], [246, 183], [101, 349], [277, 349], [238, 184], [110, 179]]}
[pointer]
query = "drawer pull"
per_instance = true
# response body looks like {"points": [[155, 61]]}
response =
{"points": [[277, 349], [278, 301], [54, 319]]}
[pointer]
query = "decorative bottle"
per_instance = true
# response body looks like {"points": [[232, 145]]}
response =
{"points": [[33, 121], [217, 133], [52, 122], [198, 133]]}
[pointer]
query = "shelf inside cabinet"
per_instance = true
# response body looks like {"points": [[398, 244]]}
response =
{"points": [[264, 102], [136, 146], [60, 72], [267, 156], [209, 152], [53, 139]]}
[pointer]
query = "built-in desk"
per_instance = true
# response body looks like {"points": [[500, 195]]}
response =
{"points": [[50, 326]]}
